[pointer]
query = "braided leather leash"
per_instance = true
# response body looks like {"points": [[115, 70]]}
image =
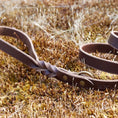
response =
{"points": [[64, 75]]}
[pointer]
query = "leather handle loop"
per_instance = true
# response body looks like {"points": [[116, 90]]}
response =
{"points": [[100, 63], [7, 31], [31, 59], [97, 62]]}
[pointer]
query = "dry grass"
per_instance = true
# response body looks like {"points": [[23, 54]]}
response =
{"points": [[57, 29]]}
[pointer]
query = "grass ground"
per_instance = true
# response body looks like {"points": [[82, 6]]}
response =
{"points": [[57, 29]]}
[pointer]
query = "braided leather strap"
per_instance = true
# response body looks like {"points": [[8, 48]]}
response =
{"points": [[64, 75]]}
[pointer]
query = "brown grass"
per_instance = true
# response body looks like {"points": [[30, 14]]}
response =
{"points": [[57, 29]]}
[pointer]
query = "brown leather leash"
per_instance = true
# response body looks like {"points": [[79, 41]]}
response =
{"points": [[64, 75]]}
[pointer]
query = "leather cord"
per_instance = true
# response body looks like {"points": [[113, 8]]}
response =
{"points": [[31, 59]]}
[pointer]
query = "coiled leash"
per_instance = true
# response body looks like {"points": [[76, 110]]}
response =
{"points": [[61, 74]]}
